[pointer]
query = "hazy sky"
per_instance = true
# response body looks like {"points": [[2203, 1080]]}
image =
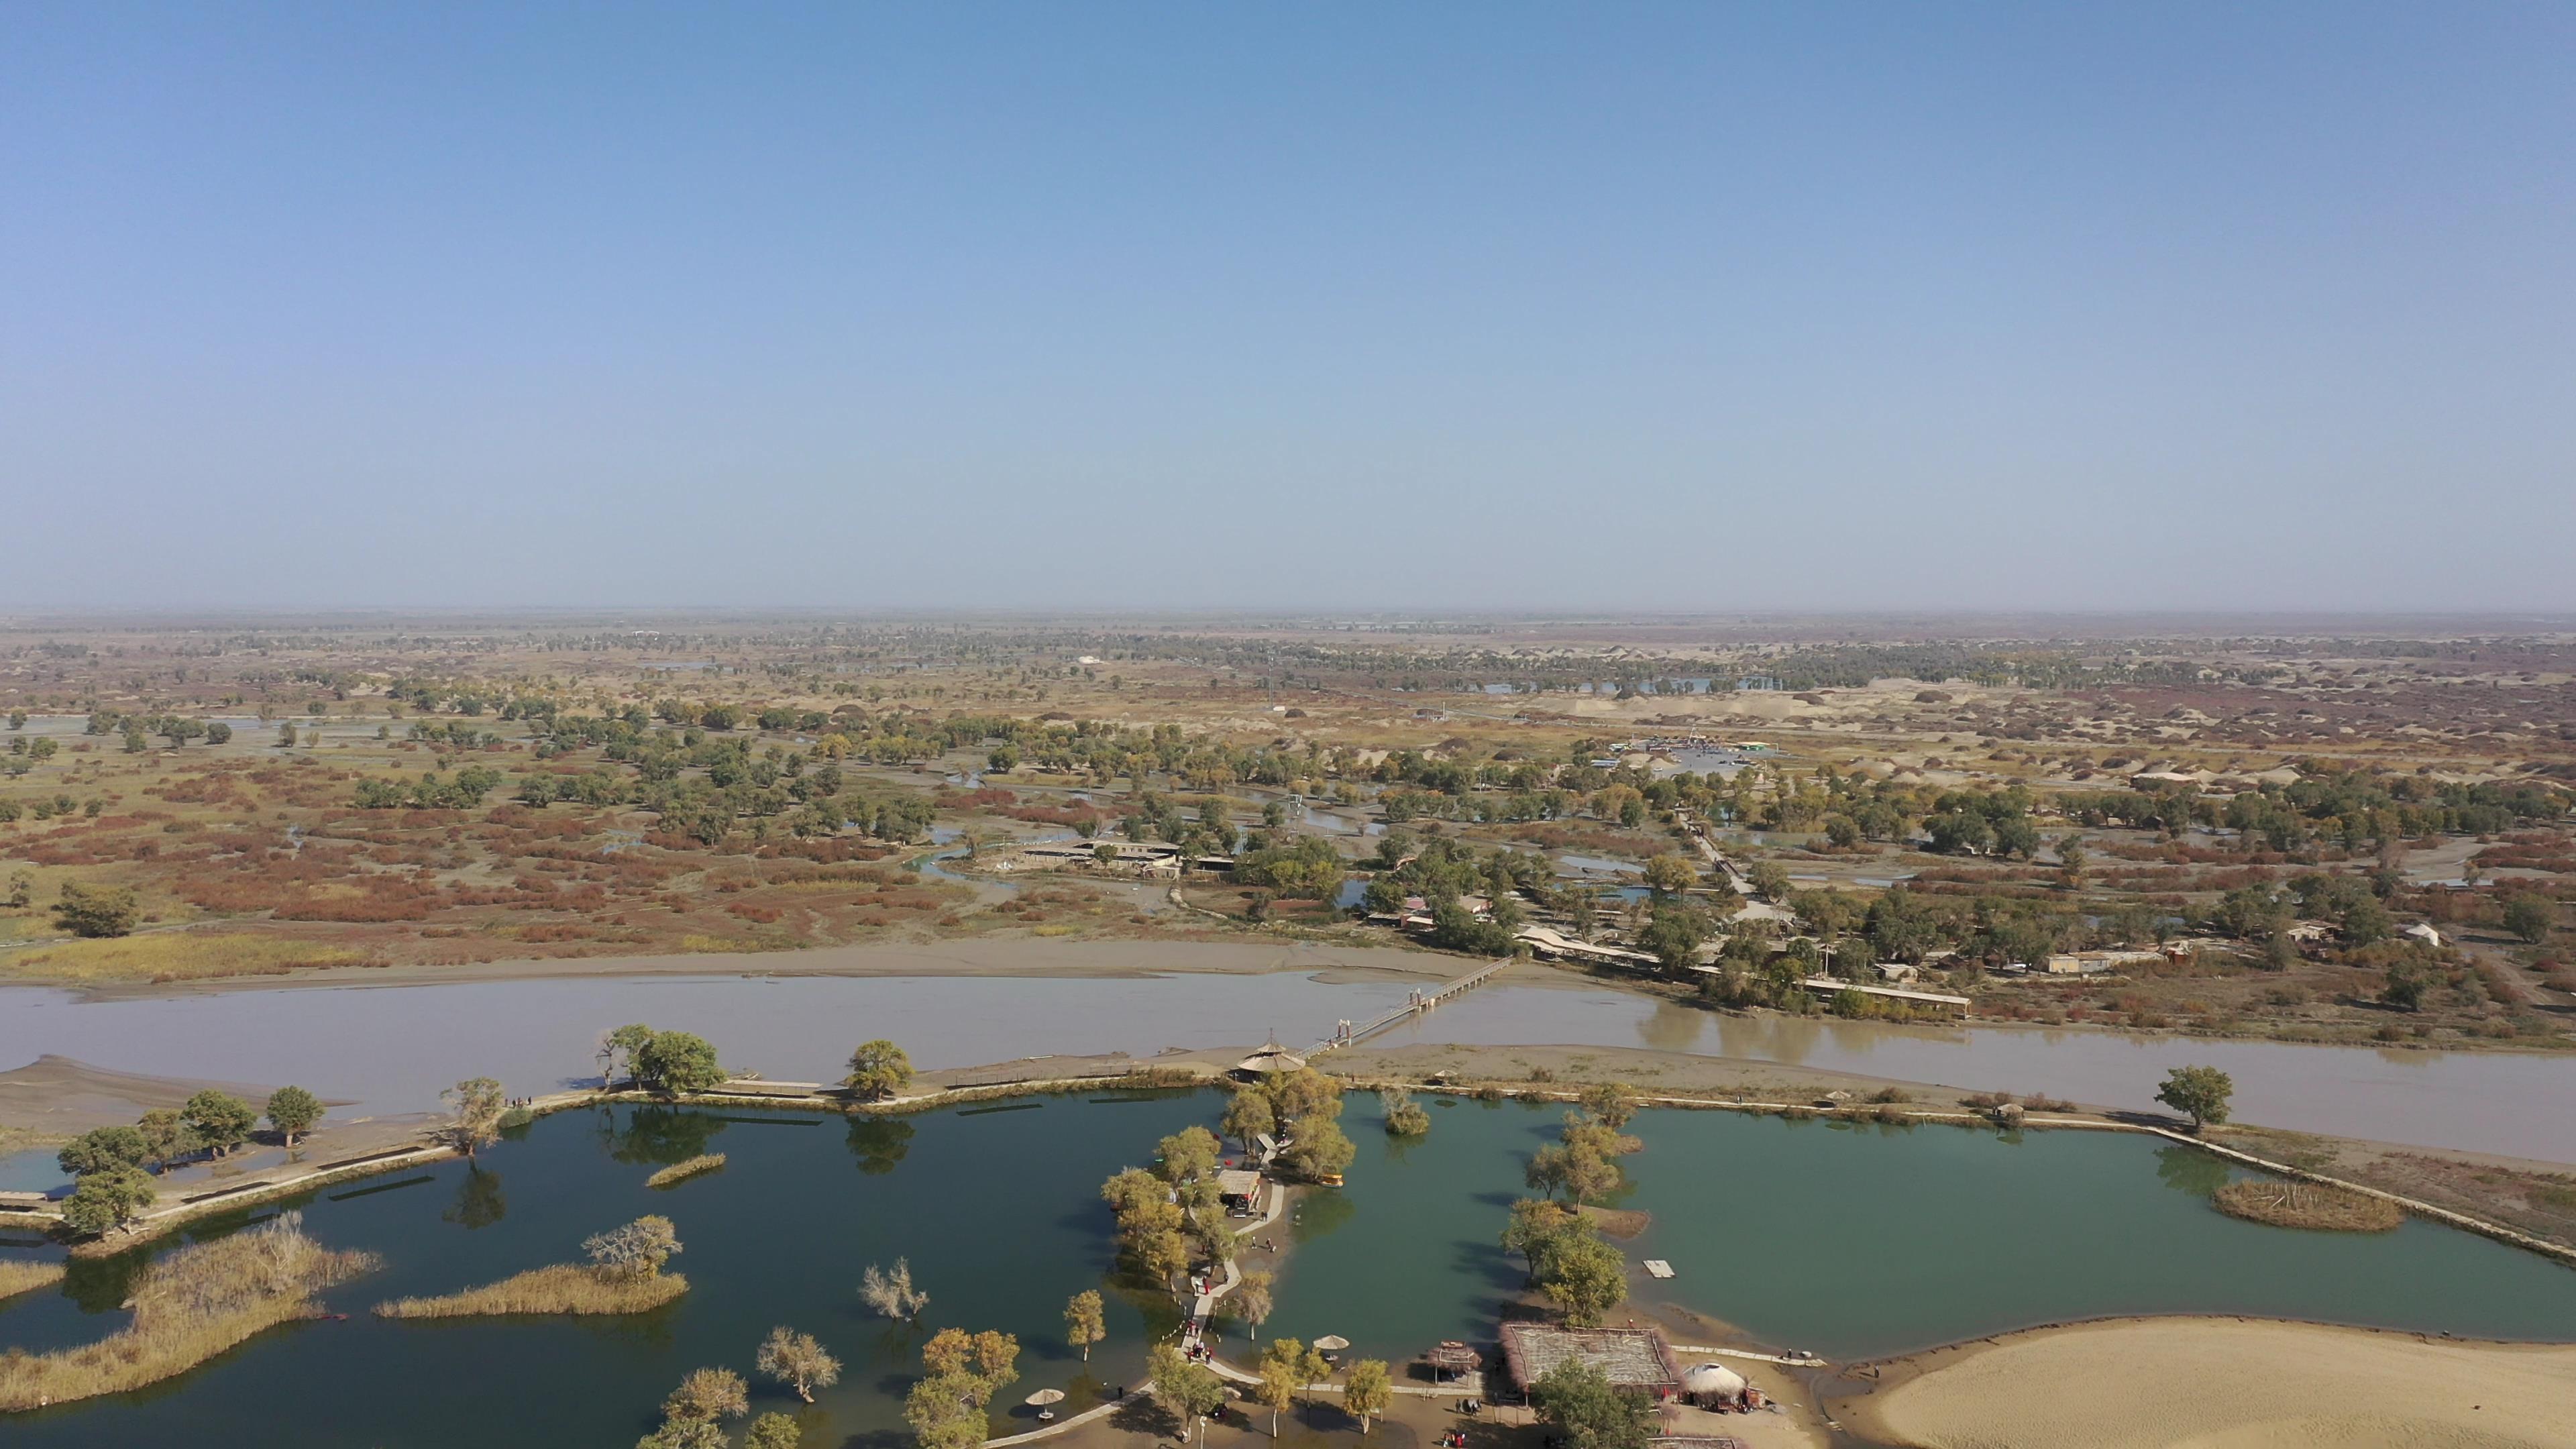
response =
{"points": [[1793, 305]]}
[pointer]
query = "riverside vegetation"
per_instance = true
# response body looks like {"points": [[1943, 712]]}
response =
{"points": [[624, 1275], [434, 794], [18, 1276], [680, 1172], [189, 1307], [2311, 1205], [108, 1164]]}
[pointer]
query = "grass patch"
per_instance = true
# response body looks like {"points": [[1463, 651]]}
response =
{"points": [[680, 1172], [179, 956], [576, 1288], [2307, 1205], [17, 1276], [192, 1305], [1617, 1222], [19, 1139]]}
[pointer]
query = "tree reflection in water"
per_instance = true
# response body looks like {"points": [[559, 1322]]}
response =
{"points": [[2188, 1169], [479, 1203], [658, 1135], [879, 1143]]}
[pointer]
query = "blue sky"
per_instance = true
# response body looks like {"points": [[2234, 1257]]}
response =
{"points": [[1690, 306]]}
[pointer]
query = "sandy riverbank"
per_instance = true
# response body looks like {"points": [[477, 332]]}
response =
{"points": [[2221, 1383], [1107, 960]]}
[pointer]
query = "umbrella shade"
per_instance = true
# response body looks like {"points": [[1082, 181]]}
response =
{"points": [[1332, 1341], [1044, 1397]]}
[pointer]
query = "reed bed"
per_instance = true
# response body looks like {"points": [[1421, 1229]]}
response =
{"points": [[19, 1276], [680, 1172], [576, 1288], [2308, 1205], [192, 1305]]}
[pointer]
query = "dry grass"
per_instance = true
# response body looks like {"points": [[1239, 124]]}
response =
{"points": [[680, 1172], [189, 1307], [564, 1288], [1618, 1222], [2308, 1205], [177, 956], [18, 1276], [20, 1139]]}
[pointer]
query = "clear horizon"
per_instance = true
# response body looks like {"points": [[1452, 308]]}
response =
{"points": [[1662, 308]]}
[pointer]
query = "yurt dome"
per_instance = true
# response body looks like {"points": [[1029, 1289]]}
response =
{"points": [[1713, 1378]]}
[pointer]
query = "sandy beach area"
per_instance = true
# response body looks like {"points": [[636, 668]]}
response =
{"points": [[2221, 1383]]}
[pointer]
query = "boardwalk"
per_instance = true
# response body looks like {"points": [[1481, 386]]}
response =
{"points": [[1415, 1004]]}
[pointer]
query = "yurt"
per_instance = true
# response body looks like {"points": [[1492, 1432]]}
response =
{"points": [[1713, 1381]]}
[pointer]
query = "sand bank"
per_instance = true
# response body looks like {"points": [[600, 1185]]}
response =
{"points": [[2222, 1383], [1003, 957]]}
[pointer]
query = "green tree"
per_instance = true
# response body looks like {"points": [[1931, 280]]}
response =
{"points": [[96, 913], [2530, 916], [679, 1062], [1283, 1375], [166, 1135], [475, 1109], [1249, 1114], [1769, 879], [1083, 1322], [105, 1201], [1317, 1150], [963, 1372], [685, 1434], [1404, 1116], [1670, 874], [773, 1431], [1367, 1391], [103, 1149], [878, 1070], [1673, 935], [293, 1111], [2407, 985], [2366, 921], [708, 1394], [1586, 1277], [1537, 1227], [1578, 1169], [220, 1120], [2199, 1093], [1186, 1156], [622, 1048], [1190, 1391], [1581, 1404], [1250, 1301], [1611, 1104]]}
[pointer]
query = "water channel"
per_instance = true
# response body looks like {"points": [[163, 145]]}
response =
{"points": [[1842, 1239], [390, 1049]]}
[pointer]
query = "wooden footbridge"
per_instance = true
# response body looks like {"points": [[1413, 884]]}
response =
{"points": [[1417, 1003]]}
